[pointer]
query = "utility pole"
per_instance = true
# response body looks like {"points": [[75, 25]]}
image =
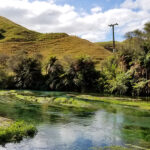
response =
{"points": [[113, 32]]}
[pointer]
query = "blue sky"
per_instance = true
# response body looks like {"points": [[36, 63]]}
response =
{"points": [[88, 4], [87, 19]]}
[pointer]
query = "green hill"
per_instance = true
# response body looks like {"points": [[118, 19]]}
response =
{"points": [[109, 45], [14, 37], [12, 32]]}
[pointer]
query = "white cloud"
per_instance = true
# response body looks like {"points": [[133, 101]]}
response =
{"points": [[137, 4], [129, 4], [96, 9], [46, 16]]}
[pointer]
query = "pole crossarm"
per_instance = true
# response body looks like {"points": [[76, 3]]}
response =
{"points": [[111, 25]]}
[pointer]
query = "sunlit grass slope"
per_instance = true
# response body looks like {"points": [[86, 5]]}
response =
{"points": [[109, 45], [12, 32], [15, 38]]}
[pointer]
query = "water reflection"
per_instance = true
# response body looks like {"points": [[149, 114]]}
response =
{"points": [[82, 134], [78, 129]]}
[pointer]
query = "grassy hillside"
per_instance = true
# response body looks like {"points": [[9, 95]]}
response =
{"points": [[108, 45], [14, 37], [12, 32]]}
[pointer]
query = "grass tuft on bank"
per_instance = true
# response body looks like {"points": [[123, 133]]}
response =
{"points": [[16, 131]]}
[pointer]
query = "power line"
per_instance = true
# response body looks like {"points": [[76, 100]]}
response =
{"points": [[113, 32]]}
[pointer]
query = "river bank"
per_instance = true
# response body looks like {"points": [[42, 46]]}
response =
{"points": [[5, 122], [15, 131], [76, 99]]}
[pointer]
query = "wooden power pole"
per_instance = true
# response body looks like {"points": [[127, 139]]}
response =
{"points": [[113, 32]]}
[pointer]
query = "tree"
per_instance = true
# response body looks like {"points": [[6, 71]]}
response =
{"points": [[54, 74], [117, 81], [119, 84], [15, 59], [3, 79], [147, 30], [141, 87], [135, 56], [28, 74], [82, 75]]}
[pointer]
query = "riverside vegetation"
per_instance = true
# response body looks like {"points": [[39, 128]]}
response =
{"points": [[15, 131], [124, 73]]}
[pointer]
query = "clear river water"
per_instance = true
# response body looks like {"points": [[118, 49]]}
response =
{"points": [[62, 128]]}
